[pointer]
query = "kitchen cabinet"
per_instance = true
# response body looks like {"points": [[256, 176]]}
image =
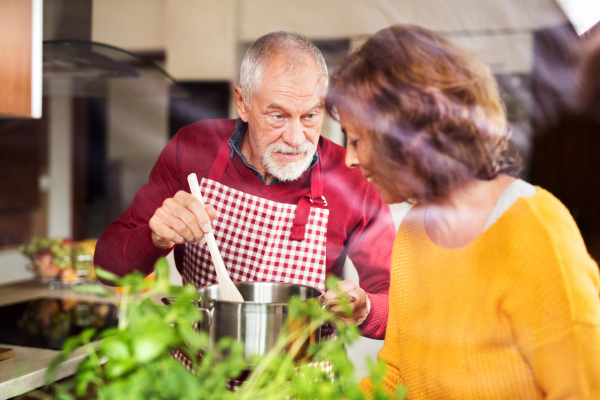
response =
{"points": [[22, 158], [21, 52]]}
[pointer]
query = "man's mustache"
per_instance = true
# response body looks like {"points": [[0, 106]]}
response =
{"points": [[285, 149]]}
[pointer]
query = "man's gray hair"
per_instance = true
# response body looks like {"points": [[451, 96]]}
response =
{"points": [[264, 49]]}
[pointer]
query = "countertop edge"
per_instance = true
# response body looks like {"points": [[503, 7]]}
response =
{"points": [[36, 378]]}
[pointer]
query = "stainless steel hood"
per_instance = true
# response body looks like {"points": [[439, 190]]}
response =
{"points": [[67, 48], [84, 59], [70, 54]]}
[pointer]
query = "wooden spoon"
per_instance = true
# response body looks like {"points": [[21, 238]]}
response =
{"points": [[229, 292]]}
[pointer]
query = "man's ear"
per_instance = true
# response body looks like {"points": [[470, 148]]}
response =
{"points": [[240, 105]]}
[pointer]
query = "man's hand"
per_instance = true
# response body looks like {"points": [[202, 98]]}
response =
{"points": [[359, 302], [181, 219]]}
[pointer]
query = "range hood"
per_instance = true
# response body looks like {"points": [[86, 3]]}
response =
{"points": [[84, 59], [70, 55], [84, 68]]}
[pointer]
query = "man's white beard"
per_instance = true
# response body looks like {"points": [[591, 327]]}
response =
{"points": [[288, 171]]}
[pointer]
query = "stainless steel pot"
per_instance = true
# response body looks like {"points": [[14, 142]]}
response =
{"points": [[258, 321]]}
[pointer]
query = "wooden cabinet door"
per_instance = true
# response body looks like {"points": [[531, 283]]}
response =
{"points": [[21, 58]]}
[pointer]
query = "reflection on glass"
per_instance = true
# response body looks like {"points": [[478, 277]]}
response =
{"points": [[48, 322]]}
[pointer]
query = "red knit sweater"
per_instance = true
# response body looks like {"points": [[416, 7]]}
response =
{"points": [[360, 224]]}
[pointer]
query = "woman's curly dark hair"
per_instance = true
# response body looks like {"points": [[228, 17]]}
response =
{"points": [[431, 109]]}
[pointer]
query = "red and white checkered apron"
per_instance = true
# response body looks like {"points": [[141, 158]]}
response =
{"points": [[261, 240]]}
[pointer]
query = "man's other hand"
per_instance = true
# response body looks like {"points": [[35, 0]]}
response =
{"points": [[359, 302]]}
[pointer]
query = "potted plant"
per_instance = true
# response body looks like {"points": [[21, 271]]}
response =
{"points": [[133, 361]]}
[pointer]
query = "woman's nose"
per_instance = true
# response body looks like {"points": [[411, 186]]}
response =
{"points": [[351, 158]]}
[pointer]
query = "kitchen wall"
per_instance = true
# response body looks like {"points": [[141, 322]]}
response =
{"points": [[201, 36]]}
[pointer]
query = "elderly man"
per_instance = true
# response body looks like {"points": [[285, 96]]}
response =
{"points": [[282, 204]]}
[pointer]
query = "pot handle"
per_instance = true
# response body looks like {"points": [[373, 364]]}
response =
{"points": [[207, 313]]}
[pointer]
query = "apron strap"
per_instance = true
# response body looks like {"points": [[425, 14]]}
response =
{"points": [[306, 202], [223, 156], [315, 197]]}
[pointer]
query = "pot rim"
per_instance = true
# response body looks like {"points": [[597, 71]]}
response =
{"points": [[274, 303]]}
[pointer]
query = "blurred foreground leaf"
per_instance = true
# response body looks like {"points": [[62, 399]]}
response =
{"points": [[134, 361]]}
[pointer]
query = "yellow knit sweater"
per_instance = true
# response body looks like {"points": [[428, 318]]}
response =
{"points": [[515, 314]]}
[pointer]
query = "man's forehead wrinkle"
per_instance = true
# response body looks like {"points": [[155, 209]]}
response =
{"points": [[293, 94], [293, 87], [276, 106]]}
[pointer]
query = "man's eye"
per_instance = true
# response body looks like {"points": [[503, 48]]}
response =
{"points": [[353, 143], [311, 116], [278, 116]]}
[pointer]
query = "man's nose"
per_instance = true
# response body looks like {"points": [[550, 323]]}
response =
{"points": [[294, 134], [351, 158]]}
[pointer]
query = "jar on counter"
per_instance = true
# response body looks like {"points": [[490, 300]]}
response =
{"points": [[83, 266]]}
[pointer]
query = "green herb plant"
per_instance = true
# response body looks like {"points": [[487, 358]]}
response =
{"points": [[133, 361]]}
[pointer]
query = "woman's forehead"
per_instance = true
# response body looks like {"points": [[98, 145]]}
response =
{"points": [[351, 123]]}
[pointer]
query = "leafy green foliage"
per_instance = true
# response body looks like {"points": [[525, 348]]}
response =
{"points": [[133, 361]]}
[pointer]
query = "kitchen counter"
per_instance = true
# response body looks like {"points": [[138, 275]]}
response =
{"points": [[26, 370]]}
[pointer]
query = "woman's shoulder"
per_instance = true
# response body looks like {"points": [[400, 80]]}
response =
{"points": [[548, 259], [542, 230], [543, 211]]}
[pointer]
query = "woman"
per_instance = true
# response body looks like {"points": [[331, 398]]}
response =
{"points": [[493, 294]]}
